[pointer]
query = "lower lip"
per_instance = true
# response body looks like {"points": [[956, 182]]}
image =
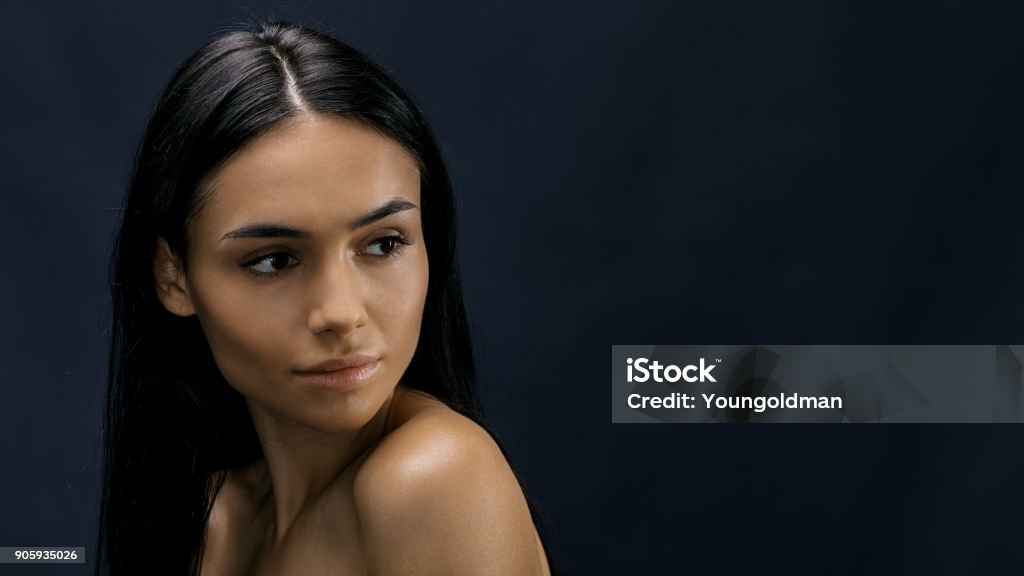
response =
{"points": [[344, 379]]}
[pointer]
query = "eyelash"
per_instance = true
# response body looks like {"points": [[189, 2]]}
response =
{"points": [[400, 242]]}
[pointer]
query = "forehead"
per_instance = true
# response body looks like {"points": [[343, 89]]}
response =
{"points": [[309, 171]]}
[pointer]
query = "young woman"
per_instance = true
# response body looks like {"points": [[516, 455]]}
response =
{"points": [[291, 384]]}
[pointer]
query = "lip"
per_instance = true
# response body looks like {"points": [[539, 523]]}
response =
{"points": [[341, 373]]}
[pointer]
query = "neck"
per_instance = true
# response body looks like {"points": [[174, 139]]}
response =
{"points": [[301, 462]]}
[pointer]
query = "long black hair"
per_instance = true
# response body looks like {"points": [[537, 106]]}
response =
{"points": [[173, 425]]}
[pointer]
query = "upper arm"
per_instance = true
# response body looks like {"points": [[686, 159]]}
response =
{"points": [[438, 497]]}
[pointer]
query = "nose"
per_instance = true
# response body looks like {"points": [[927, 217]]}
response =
{"points": [[337, 303]]}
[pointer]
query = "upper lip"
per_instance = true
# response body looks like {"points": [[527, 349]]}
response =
{"points": [[339, 363]]}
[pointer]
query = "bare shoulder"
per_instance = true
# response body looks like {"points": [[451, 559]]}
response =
{"points": [[437, 497], [429, 438]]}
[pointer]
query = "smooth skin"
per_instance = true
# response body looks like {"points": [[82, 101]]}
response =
{"points": [[309, 248]]}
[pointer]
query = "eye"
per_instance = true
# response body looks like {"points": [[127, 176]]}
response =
{"points": [[387, 245], [270, 264]]}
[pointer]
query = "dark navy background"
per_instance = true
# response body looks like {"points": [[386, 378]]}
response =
{"points": [[627, 173]]}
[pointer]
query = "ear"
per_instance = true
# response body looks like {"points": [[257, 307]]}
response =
{"points": [[171, 288]]}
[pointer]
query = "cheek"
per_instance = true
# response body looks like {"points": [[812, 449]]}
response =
{"points": [[400, 307], [243, 331]]}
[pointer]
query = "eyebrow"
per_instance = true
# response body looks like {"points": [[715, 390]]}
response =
{"points": [[394, 206]]}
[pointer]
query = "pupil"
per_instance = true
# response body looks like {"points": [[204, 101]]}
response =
{"points": [[279, 261]]}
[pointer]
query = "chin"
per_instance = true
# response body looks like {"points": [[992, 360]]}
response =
{"points": [[348, 414]]}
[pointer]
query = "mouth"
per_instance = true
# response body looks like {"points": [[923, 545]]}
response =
{"points": [[340, 374]]}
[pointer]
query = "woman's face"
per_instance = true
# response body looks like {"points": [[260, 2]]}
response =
{"points": [[308, 272]]}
